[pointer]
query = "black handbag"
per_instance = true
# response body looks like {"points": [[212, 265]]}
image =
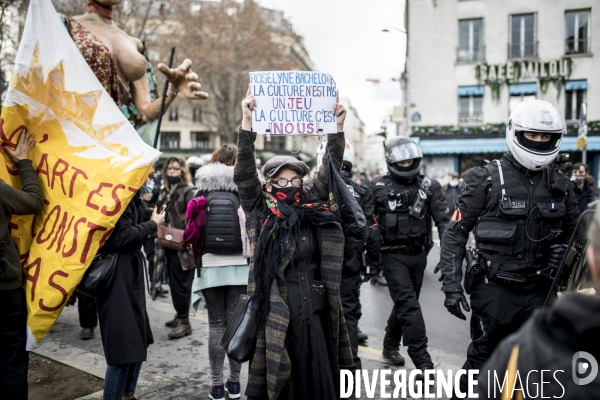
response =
{"points": [[99, 276], [239, 339]]}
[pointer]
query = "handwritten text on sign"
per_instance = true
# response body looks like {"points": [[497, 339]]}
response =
{"points": [[293, 102]]}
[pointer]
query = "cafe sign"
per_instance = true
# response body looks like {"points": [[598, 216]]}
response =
{"points": [[498, 75]]}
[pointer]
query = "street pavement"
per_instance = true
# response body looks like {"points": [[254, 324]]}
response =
{"points": [[179, 369]]}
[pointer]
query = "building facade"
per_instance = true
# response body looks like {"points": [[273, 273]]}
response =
{"points": [[472, 61]]}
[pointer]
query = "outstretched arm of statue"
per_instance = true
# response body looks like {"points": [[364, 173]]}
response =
{"points": [[181, 79]]}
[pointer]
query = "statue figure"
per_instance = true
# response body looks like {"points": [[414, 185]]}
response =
{"points": [[120, 63]]}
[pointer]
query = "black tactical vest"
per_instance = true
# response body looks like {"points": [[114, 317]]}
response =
{"points": [[520, 222], [398, 226], [357, 191]]}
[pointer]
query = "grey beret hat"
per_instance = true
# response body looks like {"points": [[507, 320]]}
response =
{"points": [[277, 163]]}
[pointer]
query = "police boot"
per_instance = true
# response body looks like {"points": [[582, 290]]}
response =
{"points": [[393, 356], [362, 337], [183, 328]]}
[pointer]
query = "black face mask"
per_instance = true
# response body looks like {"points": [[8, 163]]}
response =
{"points": [[537, 146], [288, 195], [173, 179]]}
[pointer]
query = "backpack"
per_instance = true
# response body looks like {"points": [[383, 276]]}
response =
{"points": [[222, 232]]}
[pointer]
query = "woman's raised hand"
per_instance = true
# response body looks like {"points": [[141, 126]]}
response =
{"points": [[248, 105], [340, 112]]}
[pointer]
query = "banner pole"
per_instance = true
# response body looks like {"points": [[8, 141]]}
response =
{"points": [[162, 100]]}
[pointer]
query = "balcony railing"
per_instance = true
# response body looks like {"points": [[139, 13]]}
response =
{"points": [[470, 53], [579, 46], [470, 118], [523, 50]]}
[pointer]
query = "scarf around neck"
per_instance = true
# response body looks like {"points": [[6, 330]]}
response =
{"points": [[281, 222]]}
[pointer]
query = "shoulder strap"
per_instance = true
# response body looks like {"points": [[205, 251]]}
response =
{"points": [[425, 184]]}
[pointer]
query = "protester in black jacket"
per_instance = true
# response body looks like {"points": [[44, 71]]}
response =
{"points": [[549, 342], [582, 189], [14, 359], [451, 190], [124, 323]]}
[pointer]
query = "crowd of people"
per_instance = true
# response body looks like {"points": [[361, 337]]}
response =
{"points": [[275, 236], [288, 256]]}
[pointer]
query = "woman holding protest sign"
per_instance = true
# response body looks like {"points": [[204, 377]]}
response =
{"points": [[176, 192], [297, 248], [124, 323]]}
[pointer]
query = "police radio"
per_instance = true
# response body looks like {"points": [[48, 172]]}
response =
{"points": [[418, 208]]}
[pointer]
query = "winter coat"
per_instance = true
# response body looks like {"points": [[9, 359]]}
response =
{"points": [[28, 200], [175, 217], [124, 324], [584, 196], [270, 367], [548, 341]]}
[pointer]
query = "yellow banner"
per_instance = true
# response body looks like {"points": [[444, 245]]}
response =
{"points": [[89, 159]]}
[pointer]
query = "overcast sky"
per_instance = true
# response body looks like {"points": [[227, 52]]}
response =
{"points": [[344, 39]]}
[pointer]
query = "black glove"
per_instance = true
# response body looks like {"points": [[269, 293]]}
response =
{"points": [[557, 252], [368, 272], [437, 269], [453, 302]]}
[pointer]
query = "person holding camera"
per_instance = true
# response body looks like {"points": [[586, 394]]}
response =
{"points": [[406, 203]]}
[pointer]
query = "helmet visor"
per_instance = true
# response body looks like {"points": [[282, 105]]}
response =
{"points": [[539, 146], [405, 151]]}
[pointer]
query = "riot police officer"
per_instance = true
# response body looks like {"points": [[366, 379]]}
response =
{"points": [[360, 268], [406, 201], [522, 210]]}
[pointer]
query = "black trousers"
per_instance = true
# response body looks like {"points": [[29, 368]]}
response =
{"points": [[149, 251], [349, 293], [496, 312], [88, 312], [14, 359], [180, 282], [404, 274]]}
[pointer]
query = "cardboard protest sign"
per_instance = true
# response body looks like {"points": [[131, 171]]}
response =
{"points": [[293, 102], [89, 158]]}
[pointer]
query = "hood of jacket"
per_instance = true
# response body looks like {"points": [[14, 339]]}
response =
{"points": [[215, 177]]}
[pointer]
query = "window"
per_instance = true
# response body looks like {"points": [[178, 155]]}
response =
{"points": [[521, 92], [169, 140], [522, 36], [470, 40], [276, 143], [577, 35], [197, 114], [200, 140], [470, 104], [575, 92], [173, 114]]}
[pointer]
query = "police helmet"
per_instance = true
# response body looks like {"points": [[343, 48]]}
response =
{"points": [[401, 148], [535, 116]]}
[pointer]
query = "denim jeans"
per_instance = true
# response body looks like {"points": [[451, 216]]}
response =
{"points": [[120, 380], [220, 304]]}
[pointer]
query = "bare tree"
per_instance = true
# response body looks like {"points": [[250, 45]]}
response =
{"points": [[227, 40], [12, 19]]}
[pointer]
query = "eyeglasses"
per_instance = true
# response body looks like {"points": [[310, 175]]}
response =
{"points": [[173, 169], [282, 182]]}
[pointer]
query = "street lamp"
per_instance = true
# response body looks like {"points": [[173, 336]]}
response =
{"points": [[404, 77]]}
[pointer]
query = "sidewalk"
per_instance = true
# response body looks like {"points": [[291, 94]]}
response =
{"points": [[176, 369]]}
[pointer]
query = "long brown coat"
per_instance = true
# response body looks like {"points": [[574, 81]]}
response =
{"points": [[270, 368]]}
